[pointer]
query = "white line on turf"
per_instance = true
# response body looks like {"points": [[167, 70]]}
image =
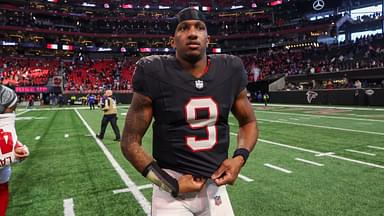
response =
{"points": [[319, 107], [66, 135], [124, 176], [245, 178], [37, 138], [375, 147], [21, 113], [277, 168], [325, 154], [360, 152], [68, 207], [328, 154], [320, 116], [295, 119], [309, 162], [125, 190], [325, 127]]}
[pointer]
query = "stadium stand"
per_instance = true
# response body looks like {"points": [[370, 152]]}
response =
{"points": [[94, 47]]}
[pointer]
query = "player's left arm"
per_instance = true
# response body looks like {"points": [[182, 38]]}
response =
{"points": [[246, 141]]}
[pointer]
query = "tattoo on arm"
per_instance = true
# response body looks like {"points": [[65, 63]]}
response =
{"points": [[138, 119]]}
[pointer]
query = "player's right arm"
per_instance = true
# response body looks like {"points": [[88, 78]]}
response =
{"points": [[137, 121]]}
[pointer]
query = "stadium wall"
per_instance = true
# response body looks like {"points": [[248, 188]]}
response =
{"points": [[358, 97], [121, 98]]}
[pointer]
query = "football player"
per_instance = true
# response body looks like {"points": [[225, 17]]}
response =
{"points": [[189, 96], [11, 150]]}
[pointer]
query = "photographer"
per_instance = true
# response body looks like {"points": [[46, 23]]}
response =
{"points": [[108, 105]]}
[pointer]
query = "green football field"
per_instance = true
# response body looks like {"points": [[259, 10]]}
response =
{"points": [[308, 161]]}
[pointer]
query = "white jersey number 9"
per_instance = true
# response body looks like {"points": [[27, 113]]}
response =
{"points": [[209, 124]]}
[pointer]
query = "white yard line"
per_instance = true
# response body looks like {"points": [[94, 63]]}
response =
{"points": [[375, 147], [325, 127], [277, 168], [309, 162], [319, 107], [245, 178], [125, 190], [123, 175], [68, 207], [320, 116], [360, 152], [37, 138], [317, 153]]}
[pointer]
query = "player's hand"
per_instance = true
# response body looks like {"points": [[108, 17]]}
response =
{"points": [[188, 183], [21, 152], [228, 171]]}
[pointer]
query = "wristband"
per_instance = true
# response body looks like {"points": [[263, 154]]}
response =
{"points": [[241, 152], [160, 178]]}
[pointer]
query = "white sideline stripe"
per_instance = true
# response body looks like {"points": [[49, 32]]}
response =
{"points": [[326, 127], [360, 152], [123, 175], [21, 113], [357, 161], [66, 135], [68, 207], [319, 107], [320, 116], [376, 147], [245, 178], [37, 138], [328, 154], [309, 162], [277, 168], [125, 190], [295, 119]]}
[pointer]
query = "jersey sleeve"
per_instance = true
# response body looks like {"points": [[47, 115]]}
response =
{"points": [[140, 83]]}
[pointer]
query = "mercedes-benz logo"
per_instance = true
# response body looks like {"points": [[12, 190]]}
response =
{"points": [[318, 5]]}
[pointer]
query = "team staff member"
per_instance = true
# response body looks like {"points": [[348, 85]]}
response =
{"points": [[12, 150], [189, 96], [110, 116]]}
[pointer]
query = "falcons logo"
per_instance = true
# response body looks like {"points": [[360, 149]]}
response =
{"points": [[311, 95]]}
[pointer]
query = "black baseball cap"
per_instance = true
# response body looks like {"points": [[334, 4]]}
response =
{"points": [[188, 13]]}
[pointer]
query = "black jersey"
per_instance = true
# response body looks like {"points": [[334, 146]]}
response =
{"points": [[190, 128]]}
